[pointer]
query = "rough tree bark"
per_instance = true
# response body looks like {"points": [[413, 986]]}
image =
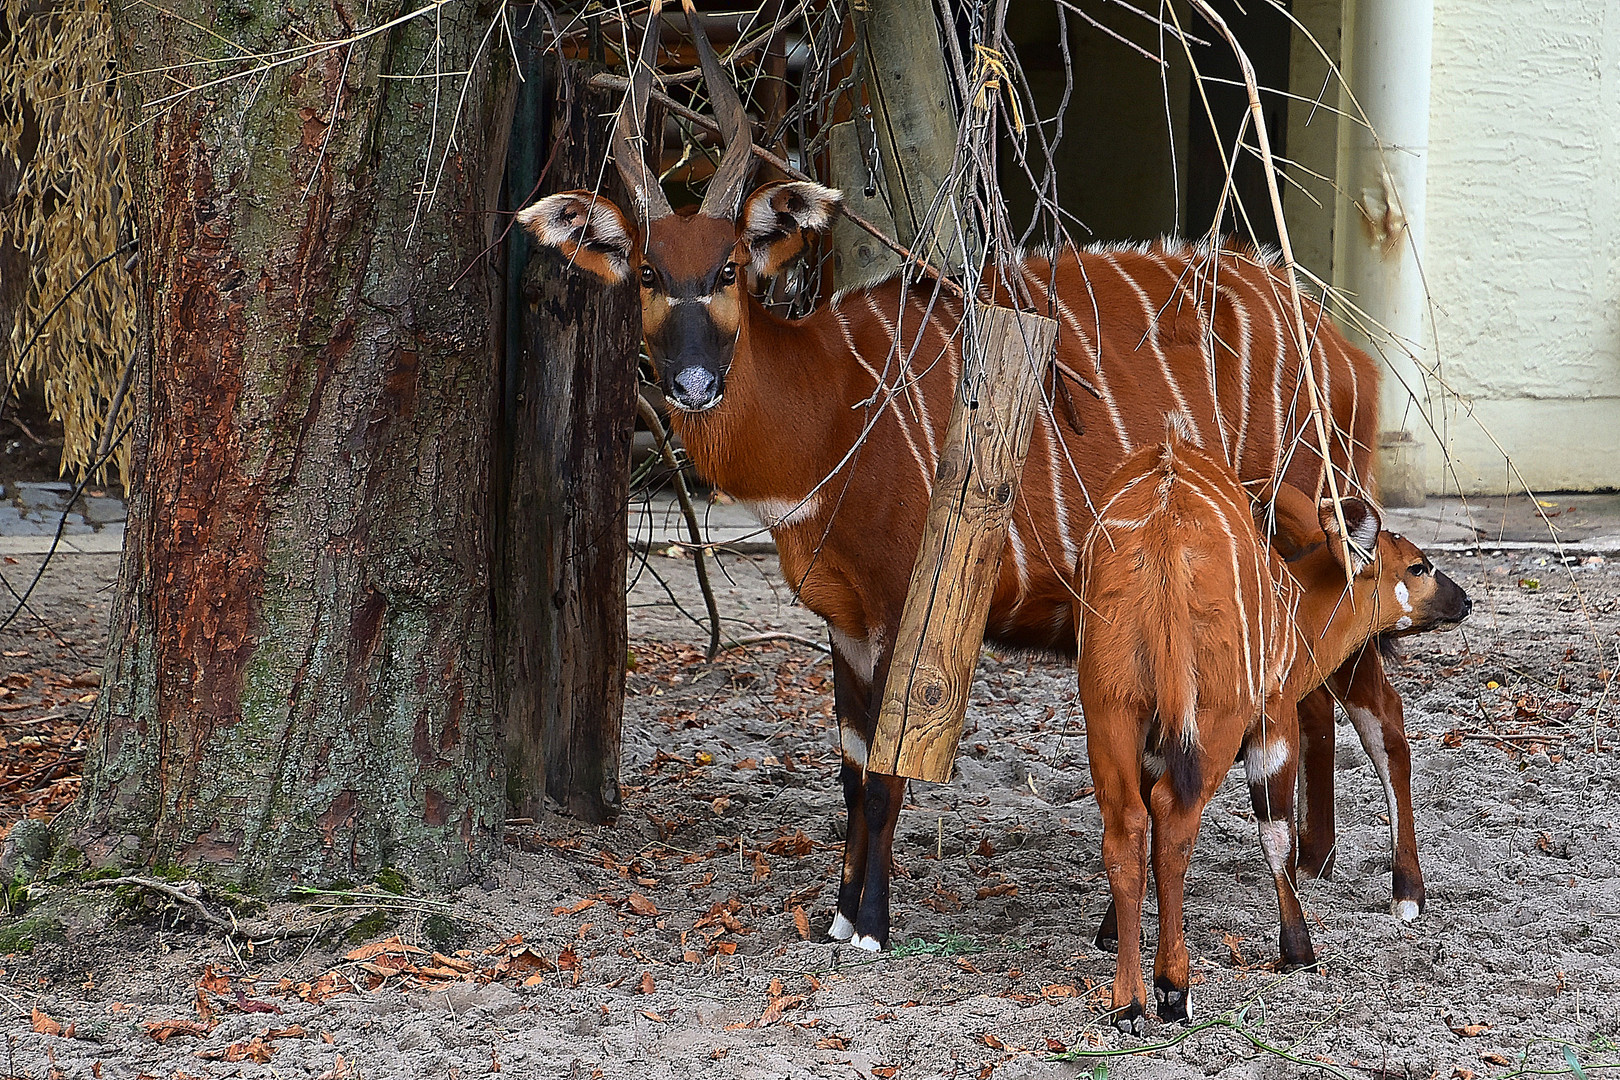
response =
{"points": [[568, 419], [300, 679]]}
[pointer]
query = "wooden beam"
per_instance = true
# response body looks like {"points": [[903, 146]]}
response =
{"points": [[901, 62], [975, 487]]}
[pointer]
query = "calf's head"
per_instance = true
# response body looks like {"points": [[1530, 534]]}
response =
{"points": [[1391, 587], [689, 265]]}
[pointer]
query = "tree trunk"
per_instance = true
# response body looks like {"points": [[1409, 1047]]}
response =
{"points": [[299, 687], [568, 418]]}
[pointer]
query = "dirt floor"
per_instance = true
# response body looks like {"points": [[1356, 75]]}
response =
{"points": [[689, 940]]}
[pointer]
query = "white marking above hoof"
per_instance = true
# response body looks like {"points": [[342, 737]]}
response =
{"points": [[841, 929], [1404, 910], [870, 944]]}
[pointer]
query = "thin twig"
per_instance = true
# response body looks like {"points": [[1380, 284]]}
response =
{"points": [[229, 926], [776, 635], [649, 416], [17, 370]]}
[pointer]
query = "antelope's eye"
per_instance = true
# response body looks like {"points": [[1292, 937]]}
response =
{"points": [[1417, 569], [728, 273], [649, 277]]}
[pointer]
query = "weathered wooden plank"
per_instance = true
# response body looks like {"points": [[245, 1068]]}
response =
{"points": [[901, 62], [975, 486]]}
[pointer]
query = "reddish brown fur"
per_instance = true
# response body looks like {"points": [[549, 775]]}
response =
{"points": [[1198, 640], [831, 426]]}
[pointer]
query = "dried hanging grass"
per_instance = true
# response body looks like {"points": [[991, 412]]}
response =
{"points": [[70, 211]]}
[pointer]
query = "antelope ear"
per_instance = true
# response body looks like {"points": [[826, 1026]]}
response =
{"points": [[1364, 524], [587, 228], [1287, 517], [778, 218]]}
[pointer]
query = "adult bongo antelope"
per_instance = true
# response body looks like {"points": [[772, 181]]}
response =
{"points": [[1197, 641], [832, 437]]}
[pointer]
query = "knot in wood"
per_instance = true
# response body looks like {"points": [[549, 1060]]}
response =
{"points": [[1003, 494], [948, 470], [932, 694]]}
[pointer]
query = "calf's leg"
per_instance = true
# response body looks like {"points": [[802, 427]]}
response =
{"points": [[1318, 840], [1375, 711]]}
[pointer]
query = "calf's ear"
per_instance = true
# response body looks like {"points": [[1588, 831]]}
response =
{"points": [[592, 232], [1363, 524], [778, 220]]}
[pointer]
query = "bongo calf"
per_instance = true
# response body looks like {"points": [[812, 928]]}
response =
{"points": [[1197, 642]]}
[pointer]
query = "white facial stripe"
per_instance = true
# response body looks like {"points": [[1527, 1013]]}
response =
{"points": [[1404, 622], [1403, 597]]}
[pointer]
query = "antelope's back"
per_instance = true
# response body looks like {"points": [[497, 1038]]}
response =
{"points": [[1169, 328], [1177, 584]]}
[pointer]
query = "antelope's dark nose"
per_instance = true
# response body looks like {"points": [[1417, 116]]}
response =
{"points": [[695, 388], [1468, 605]]}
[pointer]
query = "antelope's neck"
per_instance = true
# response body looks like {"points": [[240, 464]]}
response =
{"points": [[784, 422], [1333, 620]]}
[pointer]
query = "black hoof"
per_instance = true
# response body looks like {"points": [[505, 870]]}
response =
{"points": [[1132, 1019], [1175, 1002], [1296, 953], [1305, 961], [1409, 896]]}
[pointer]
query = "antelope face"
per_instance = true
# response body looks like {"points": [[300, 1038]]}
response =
{"points": [[691, 306], [1421, 597], [690, 270], [688, 265], [1404, 592]]}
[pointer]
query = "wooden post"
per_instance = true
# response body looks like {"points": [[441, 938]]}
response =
{"points": [[901, 62], [568, 414], [975, 486]]}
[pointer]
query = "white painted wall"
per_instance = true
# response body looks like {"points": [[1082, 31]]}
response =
{"points": [[1523, 244]]}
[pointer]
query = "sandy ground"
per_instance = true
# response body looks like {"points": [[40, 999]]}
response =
{"points": [[688, 940]]}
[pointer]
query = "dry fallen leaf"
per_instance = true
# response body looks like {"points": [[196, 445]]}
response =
{"points": [[392, 945], [1494, 1058], [642, 906], [832, 1042], [452, 963], [254, 1049], [886, 1071], [44, 1025], [164, 1030], [575, 909], [992, 1042], [249, 1005], [1467, 1031], [646, 986], [801, 923], [779, 1005]]}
